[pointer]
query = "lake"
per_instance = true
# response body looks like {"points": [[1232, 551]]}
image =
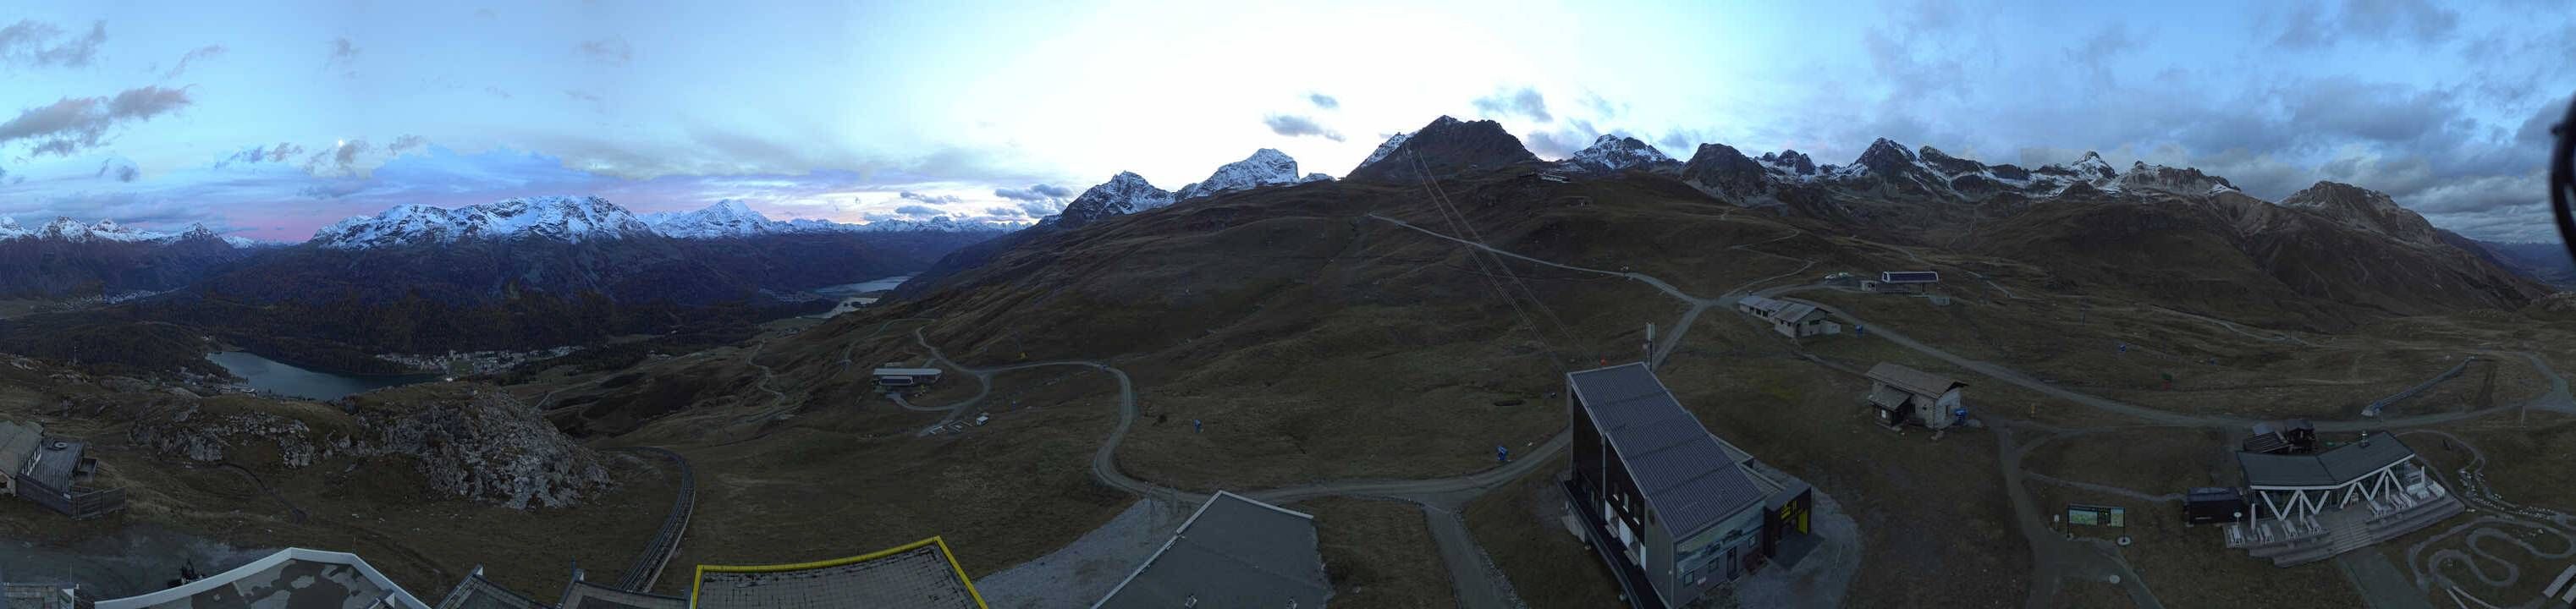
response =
{"points": [[271, 375], [863, 287], [850, 297]]}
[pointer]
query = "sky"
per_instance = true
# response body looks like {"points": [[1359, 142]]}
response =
{"points": [[271, 121]]}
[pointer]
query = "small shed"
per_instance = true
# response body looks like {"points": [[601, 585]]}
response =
{"points": [[1904, 282], [1903, 394], [906, 377], [1790, 318]]}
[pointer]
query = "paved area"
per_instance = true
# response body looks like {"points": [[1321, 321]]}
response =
{"points": [[1083, 571]]}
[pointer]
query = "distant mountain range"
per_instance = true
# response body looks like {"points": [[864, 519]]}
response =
{"points": [[2330, 255], [578, 219]]}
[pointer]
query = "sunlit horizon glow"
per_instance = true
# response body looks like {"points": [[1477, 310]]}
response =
{"points": [[834, 112]]}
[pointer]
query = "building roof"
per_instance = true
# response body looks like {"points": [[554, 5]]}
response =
{"points": [[1911, 380], [1797, 312], [1763, 304], [2326, 469], [583, 594], [1235, 552], [1889, 397], [907, 372], [294, 578], [475, 592], [54, 461], [1686, 474], [1908, 276], [919, 574], [17, 443]]}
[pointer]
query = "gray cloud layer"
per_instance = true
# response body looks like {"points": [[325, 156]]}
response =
{"points": [[40, 44], [1525, 103], [1299, 126], [204, 52], [75, 124], [1324, 101]]}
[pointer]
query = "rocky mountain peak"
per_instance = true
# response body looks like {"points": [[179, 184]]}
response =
{"points": [[1446, 146], [1265, 167], [1125, 193], [1612, 153], [1885, 156], [2363, 208], [1724, 171], [1792, 161]]}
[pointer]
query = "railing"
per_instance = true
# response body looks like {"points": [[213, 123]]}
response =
{"points": [[647, 568], [2373, 409]]}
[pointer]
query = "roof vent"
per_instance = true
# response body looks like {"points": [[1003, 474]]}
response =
{"points": [[59, 445]]}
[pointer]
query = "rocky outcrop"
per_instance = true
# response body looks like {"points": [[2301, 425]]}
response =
{"points": [[469, 441], [488, 447], [1445, 147]]}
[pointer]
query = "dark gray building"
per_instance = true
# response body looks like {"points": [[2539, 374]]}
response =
{"points": [[52, 472], [1234, 552], [1672, 509]]}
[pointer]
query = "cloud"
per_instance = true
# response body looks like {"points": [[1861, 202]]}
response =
{"points": [[1035, 192], [33, 43], [406, 142], [581, 96], [1561, 143], [496, 91], [1007, 212], [262, 154], [1526, 103], [74, 124], [342, 52], [120, 169], [1324, 101], [2308, 26], [1041, 209], [918, 211], [339, 159], [2099, 49], [204, 52], [1298, 126], [931, 199], [608, 50]]}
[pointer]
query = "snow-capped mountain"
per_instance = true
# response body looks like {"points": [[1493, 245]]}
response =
{"points": [[1315, 177], [726, 218], [1392, 142], [1611, 154], [568, 219], [577, 219], [1125, 193], [1265, 167], [108, 231]]}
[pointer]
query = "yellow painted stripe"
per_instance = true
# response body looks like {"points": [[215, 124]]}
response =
{"points": [[961, 573], [703, 570]]}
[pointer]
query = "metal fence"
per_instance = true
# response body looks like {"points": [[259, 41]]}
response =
{"points": [[647, 568]]}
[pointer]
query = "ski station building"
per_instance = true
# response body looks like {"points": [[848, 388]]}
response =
{"points": [[1674, 511]]}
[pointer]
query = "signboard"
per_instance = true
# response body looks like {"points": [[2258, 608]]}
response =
{"points": [[2097, 515]]}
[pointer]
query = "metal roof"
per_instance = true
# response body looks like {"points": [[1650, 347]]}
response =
{"points": [[1686, 474], [1796, 312], [1888, 397], [1911, 380], [907, 372], [586, 595], [2327, 469], [54, 461], [17, 442], [1909, 276], [1235, 552], [1766, 305], [920, 574], [291, 578], [475, 592]]}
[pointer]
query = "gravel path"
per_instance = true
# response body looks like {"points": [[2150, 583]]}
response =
{"points": [[1090, 566]]}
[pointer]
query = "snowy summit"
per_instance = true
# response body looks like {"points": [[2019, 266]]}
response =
{"points": [[1264, 168]]}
